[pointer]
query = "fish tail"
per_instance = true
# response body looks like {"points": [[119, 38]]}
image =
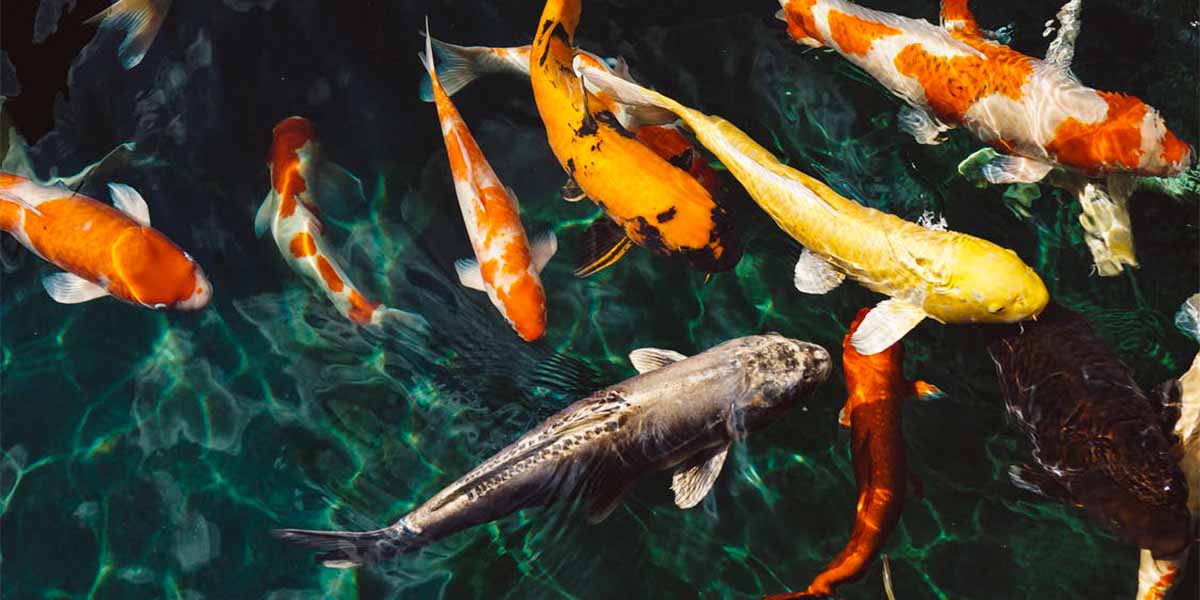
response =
{"points": [[460, 65], [406, 322], [348, 549], [140, 20]]}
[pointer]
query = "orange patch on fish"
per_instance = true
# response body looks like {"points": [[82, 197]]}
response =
{"points": [[956, 10], [361, 309], [1116, 140], [487, 270], [329, 274], [953, 84], [303, 245], [800, 20], [854, 35], [525, 306], [1175, 150]]}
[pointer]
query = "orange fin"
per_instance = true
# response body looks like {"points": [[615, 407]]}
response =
{"points": [[927, 391]]}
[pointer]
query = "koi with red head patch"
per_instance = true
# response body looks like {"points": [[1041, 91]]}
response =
{"points": [[654, 203], [506, 267], [300, 182], [877, 391], [104, 251], [1033, 110]]}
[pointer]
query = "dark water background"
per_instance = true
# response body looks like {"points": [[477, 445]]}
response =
{"points": [[147, 455]]}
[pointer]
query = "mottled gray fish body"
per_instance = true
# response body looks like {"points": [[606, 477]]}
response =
{"points": [[680, 413]]}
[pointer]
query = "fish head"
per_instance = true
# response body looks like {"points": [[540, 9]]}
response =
{"points": [[157, 273], [992, 284], [289, 136], [1163, 153], [777, 372]]}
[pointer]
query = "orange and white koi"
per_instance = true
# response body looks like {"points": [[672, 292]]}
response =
{"points": [[461, 65], [299, 179], [656, 204], [104, 251], [877, 392], [505, 266], [139, 20], [1035, 111]]}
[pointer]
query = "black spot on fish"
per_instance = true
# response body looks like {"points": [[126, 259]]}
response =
{"points": [[684, 159], [666, 215], [651, 237], [560, 32], [547, 24], [610, 119], [571, 166], [588, 127]]}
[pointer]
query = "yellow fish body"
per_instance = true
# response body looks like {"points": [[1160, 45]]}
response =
{"points": [[948, 276]]}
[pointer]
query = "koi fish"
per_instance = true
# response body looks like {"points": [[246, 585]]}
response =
{"points": [[1099, 442], [104, 251], [655, 204], [1035, 111], [139, 21], [928, 272], [462, 65], [300, 180], [505, 265], [877, 391], [682, 413], [1158, 577]]}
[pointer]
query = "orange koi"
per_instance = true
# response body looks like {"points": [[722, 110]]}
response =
{"points": [[657, 205], [1033, 110], [877, 391], [506, 267], [104, 251], [300, 180]]}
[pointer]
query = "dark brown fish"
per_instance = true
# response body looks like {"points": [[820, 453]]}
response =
{"points": [[1098, 441]]}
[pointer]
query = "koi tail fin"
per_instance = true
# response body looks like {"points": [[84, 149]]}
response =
{"points": [[140, 20], [460, 65], [627, 92], [348, 549], [927, 391]]}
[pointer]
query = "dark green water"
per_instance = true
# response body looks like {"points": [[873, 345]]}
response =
{"points": [[148, 455]]}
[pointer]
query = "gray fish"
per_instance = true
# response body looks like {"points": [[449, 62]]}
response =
{"points": [[679, 412]]}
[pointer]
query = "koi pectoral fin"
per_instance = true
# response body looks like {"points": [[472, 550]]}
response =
{"points": [[1014, 169], [266, 213], [927, 391], [68, 288], [885, 325], [543, 248], [336, 190], [815, 275], [694, 479], [605, 243], [924, 127], [571, 192], [469, 274], [130, 202]]}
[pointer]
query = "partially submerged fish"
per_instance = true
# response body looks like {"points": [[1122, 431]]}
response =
{"points": [[1099, 442], [139, 21], [103, 250], [944, 275], [505, 265], [680, 413], [1035, 111], [301, 180], [877, 392], [656, 204]]}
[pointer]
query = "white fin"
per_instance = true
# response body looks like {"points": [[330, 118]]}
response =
{"points": [[266, 213], [1015, 169], [885, 325], [458, 66], [335, 189], [119, 157], [649, 359], [130, 202], [887, 578], [1062, 50], [815, 275], [68, 288], [932, 221], [603, 502], [694, 479], [781, 15], [469, 274], [139, 20], [924, 127], [620, 68], [543, 249], [1187, 319]]}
